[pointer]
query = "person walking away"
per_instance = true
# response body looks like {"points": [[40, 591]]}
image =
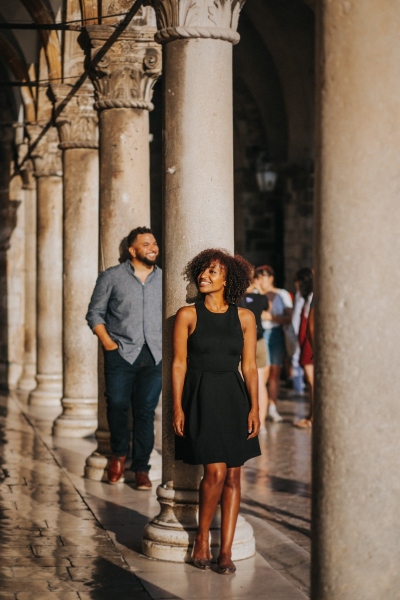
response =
{"points": [[125, 314], [258, 304], [305, 279], [297, 371], [215, 408], [280, 314]]}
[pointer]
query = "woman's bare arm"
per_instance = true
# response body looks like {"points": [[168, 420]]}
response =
{"points": [[185, 323], [249, 368]]}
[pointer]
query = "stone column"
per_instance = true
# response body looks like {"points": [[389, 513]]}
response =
{"points": [[123, 77], [16, 280], [8, 222], [27, 381], [198, 213], [356, 453], [48, 171], [77, 124]]}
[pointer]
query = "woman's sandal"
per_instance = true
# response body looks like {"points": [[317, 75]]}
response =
{"points": [[204, 564], [303, 424], [226, 570]]}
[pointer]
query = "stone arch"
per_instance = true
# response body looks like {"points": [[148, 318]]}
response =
{"points": [[287, 30], [10, 52], [42, 14]]}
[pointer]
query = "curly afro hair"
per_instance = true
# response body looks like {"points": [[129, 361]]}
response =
{"points": [[238, 271]]}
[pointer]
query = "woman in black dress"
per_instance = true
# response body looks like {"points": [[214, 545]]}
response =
{"points": [[216, 418]]}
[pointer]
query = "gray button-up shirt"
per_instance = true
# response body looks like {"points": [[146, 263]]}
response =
{"points": [[130, 309]]}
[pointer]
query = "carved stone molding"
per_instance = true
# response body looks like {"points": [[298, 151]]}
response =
{"points": [[124, 74], [25, 167], [208, 19], [76, 119], [44, 150]]}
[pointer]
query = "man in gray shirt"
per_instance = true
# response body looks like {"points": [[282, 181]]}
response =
{"points": [[125, 314]]}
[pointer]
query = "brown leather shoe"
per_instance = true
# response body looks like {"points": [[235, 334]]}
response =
{"points": [[142, 480], [116, 468]]}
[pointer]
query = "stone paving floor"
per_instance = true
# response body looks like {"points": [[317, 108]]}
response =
{"points": [[64, 537]]}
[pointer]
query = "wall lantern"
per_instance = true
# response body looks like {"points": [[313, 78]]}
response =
{"points": [[266, 175]]}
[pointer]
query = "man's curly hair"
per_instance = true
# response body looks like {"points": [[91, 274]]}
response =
{"points": [[238, 271]]}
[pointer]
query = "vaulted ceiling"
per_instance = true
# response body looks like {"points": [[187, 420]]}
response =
{"points": [[274, 60]]}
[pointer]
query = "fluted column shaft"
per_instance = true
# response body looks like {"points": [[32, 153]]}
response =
{"points": [[123, 78], [198, 211], [48, 171], [356, 450], [77, 125]]}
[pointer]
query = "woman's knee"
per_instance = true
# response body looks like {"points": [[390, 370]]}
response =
{"points": [[215, 474], [232, 479]]}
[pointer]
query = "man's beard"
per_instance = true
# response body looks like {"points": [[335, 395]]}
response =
{"points": [[145, 260]]}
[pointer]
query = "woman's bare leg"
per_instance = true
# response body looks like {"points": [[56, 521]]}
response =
{"points": [[305, 423], [309, 371], [211, 487], [263, 393], [230, 502], [273, 383]]}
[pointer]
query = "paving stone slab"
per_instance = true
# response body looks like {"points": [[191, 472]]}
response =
{"points": [[24, 585], [48, 596], [93, 551], [104, 594], [33, 573], [86, 561], [23, 551], [105, 573], [48, 561], [112, 588]]}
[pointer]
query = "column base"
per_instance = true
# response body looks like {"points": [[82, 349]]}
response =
{"points": [[170, 535], [78, 419], [96, 467], [48, 391], [27, 381], [14, 375]]}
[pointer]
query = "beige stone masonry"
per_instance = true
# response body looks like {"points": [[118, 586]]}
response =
{"points": [[27, 381], [77, 124], [48, 171], [356, 446]]}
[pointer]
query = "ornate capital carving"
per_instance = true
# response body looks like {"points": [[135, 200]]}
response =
{"points": [[25, 167], [76, 118], [183, 19], [44, 151], [124, 72]]}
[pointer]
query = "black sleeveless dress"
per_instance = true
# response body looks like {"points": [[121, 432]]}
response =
{"points": [[215, 400]]}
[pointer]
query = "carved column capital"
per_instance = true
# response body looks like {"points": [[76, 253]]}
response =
{"points": [[44, 150], [124, 72], [76, 118], [188, 19]]}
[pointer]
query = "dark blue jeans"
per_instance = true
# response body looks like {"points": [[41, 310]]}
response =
{"points": [[139, 386]]}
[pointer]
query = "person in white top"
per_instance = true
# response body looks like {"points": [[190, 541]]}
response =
{"points": [[280, 314]]}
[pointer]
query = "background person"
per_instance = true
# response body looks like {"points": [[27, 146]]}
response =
{"points": [[125, 314], [305, 282], [280, 313], [258, 304], [216, 418], [297, 371]]}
